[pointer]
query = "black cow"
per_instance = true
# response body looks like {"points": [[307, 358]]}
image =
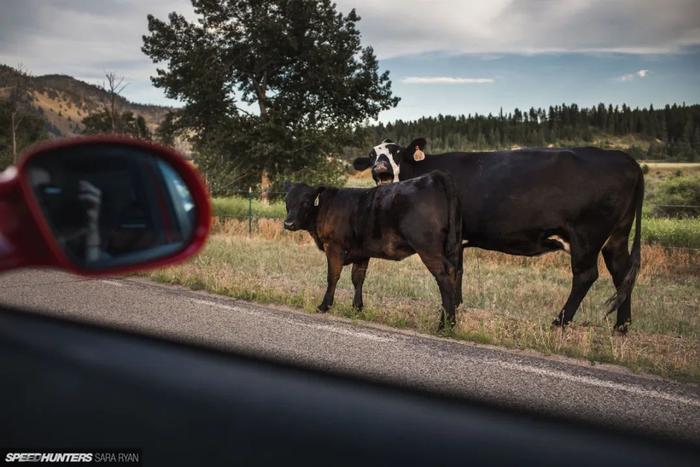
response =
{"points": [[533, 201], [421, 215]]}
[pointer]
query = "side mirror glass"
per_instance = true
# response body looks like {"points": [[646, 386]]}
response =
{"points": [[114, 205]]}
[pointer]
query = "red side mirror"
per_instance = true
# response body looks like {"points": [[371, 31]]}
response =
{"points": [[101, 205]]}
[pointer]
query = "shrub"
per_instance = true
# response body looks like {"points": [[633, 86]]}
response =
{"points": [[678, 191], [237, 207], [328, 171], [636, 152]]}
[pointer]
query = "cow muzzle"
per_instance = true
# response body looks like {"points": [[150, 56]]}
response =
{"points": [[382, 173], [290, 225]]}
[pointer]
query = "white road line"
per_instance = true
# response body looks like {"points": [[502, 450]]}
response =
{"points": [[591, 381], [106, 281], [588, 380], [225, 307], [348, 332], [321, 327]]}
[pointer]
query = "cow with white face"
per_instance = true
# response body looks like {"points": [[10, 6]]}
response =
{"points": [[382, 158], [582, 201]]}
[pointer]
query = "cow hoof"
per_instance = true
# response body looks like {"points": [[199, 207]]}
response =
{"points": [[322, 308], [621, 329], [357, 308], [445, 328], [559, 324]]}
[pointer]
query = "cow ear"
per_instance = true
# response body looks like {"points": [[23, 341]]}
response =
{"points": [[387, 141], [361, 163], [287, 186], [414, 151]]}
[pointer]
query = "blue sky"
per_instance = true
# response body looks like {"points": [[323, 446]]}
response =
{"points": [[485, 83], [445, 56]]}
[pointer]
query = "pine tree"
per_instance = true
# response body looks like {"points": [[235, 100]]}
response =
{"points": [[298, 63]]}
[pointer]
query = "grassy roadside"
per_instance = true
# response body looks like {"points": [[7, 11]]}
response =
{"points": [[509, 301]]}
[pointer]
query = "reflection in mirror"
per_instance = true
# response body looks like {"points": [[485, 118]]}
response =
{"points": [[112, 205]]}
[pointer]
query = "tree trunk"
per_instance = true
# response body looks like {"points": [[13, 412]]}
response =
{"points": [[14, 139], [265, 187], [264, 176], [114, 120], [261, 94]]}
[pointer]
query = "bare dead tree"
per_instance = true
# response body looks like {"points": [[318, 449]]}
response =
{"points": [[18, 95], [114, 87]]}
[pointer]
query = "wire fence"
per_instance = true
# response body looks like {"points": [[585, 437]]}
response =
{"points": [[253, 195], [679, 206]]}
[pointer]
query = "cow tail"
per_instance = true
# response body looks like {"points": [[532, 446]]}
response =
{"points": [[453, 248], [625, 289]]}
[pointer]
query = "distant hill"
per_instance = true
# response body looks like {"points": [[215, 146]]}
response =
{"points": [[63, 101]]}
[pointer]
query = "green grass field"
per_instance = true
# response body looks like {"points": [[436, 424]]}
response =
{"points": [[237, 208], [681, 233], [667, 232]]}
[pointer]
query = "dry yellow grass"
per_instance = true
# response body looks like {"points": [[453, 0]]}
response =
{"points": [[53, 106], [691, 166], [509, 300], [657, 259]]}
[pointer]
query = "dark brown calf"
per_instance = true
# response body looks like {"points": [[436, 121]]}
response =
{"points": [[421, 215]]}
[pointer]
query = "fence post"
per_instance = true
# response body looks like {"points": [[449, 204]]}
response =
{"points": [[250, 211]]}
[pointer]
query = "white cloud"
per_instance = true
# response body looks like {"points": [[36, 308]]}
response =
{"points": [[85, 39], [631, 76], [400, 27], [445, 80]]}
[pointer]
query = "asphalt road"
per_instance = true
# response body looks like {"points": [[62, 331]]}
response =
{"points": [[564, 387]]}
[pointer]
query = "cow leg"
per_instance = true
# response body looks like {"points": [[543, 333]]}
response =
{"points": [[617, 261], [444, 274], [458, 283], [359, 270], [585, 269], [334, 257]]}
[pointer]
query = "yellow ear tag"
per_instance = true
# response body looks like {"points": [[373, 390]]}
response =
{"points": [[418, 155], [316, 200]]}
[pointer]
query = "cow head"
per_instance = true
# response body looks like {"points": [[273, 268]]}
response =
{"points": [[302, 203], [386, 159]]}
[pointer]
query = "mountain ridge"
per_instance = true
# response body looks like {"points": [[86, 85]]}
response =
{"points": [[64, 101]]}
